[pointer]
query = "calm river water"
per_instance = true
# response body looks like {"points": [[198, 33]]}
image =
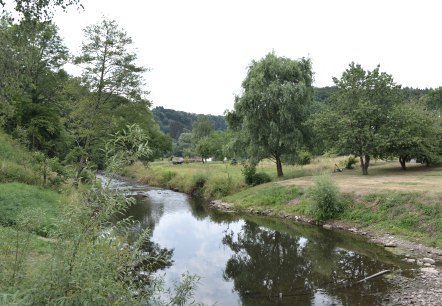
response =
{"points": [[245, 260]]}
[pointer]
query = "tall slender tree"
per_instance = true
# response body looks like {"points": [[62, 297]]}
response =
{"points": [[112, 76]]}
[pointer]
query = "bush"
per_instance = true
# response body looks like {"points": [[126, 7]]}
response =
{"points": [[252, 178], [349, 162], [326, 200], [304, 158], [218, 187], [260, 178], [198, 183]]}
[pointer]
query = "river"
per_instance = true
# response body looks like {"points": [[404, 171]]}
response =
{"points": [[246, 260]]}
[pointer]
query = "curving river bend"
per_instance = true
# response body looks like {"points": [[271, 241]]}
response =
{"points": [[244, 260]]}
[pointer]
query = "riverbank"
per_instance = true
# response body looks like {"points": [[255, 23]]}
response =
{"points": [[399, 210], [407, 204], [423, 289]]}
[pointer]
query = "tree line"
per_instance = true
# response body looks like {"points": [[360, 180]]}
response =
{"points": [[173, 122], [278, 115], [365, 114], [67, 117]]}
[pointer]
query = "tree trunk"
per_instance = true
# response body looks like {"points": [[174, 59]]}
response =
{"points": [[365, 162], [279, 166], [402, 160]]}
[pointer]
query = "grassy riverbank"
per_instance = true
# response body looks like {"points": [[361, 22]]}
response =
{"points": [[405, 203], [217, 179]]}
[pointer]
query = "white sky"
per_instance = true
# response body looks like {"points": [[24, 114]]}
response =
{"points": [[199, 50]]}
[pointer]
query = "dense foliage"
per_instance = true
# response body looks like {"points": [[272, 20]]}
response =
{"points": [[60, 129], [369, 117], [174, 123], [270, 113]]}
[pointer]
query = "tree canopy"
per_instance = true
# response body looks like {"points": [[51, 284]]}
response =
{"points": [[37, 9], [271, 111], [359, 109]]}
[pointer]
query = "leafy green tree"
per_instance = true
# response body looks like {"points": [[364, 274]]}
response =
{"points": [[201, 128], [184, 145], [9, 71], [360, 107], [36, 9], [412, 132], [204, 148], [109, 68], [433, 101], [220, 140], [33, 78], [114, 82], [270, 113]]}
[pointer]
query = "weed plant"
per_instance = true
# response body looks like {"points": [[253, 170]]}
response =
{"points": [[325, 199]]}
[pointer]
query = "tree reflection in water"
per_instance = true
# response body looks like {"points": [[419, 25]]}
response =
{"points": [[144, 217], [273, 268]]}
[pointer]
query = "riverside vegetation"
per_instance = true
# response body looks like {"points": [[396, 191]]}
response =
{"points": [[59, 247], [406, 203], [56, 243]]}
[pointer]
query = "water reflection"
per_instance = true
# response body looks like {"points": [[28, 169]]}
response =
{"points": [[273, 268], [245, 260]]}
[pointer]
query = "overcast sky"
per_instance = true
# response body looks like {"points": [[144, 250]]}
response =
{"points": [[199, 50]]}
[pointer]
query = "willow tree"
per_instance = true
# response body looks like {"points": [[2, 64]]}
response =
{"points": [[271, 111]]}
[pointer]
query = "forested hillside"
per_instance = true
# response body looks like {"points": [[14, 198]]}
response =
{"points": [[173, 122], [322, 94]]}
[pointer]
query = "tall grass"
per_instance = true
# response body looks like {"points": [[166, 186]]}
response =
{"points": [[15, 162], [16, 198], [271, 196], [221, 179], [412, 214]]}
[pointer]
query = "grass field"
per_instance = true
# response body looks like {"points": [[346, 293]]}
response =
{"points": [[17, 198]]}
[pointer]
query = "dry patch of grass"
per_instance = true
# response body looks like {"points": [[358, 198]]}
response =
{"points": [[383, 176]]}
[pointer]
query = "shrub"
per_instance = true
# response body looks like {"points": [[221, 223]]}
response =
{"points": [[260, 178], [349, 162], [218, 187], [198, 183], [252, 178], [304, 158], [326, 200]]}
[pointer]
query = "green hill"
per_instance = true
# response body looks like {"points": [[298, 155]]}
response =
{"points": [[173, 122]]}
